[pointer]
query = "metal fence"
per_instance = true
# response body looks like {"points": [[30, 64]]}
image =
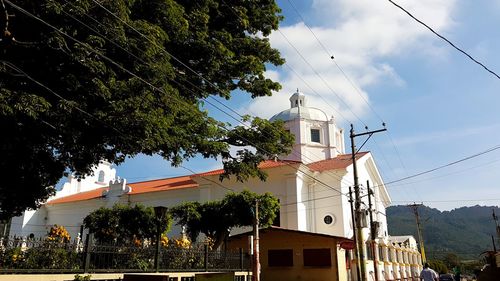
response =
{"points": [[21, 255]]}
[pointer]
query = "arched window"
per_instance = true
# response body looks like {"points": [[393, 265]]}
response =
{"points": [[101, 176]]}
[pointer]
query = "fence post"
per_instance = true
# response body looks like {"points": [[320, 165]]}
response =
{"points": [[86, 252], [205, 260]]}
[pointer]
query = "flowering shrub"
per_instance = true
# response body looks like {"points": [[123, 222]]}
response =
{"points": [[182, 242], [210, 242], [164, 240], [12, 258], [58, 234]]}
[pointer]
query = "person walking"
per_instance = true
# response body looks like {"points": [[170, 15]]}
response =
{"points": [[456, 273], [428, 274]]}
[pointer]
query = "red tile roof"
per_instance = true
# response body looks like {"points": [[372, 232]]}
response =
{"points": [[339, 162], [162, 185], [137, 188], [86, 195], [264, 165]]}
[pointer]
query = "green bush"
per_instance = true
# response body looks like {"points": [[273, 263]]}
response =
{"points": [[12, 258], [51, 256]]}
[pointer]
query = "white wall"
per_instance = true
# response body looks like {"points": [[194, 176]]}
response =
{"points": [[31, 222]]}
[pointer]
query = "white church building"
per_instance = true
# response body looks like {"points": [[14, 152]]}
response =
{"points": [[312, 184]]}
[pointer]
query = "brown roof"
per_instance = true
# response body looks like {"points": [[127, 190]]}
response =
{"points": [[280, 229], [339, 162]]}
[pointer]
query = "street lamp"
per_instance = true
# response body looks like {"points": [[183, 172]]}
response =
{"points": [[160, 213]]}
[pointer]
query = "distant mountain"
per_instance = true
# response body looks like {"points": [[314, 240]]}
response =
{"points": [[465, 231]]}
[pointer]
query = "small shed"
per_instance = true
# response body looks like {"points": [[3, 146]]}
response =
{"points": [[287, 254]]}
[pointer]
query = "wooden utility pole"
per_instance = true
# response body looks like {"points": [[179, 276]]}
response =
{"points": [[256, 263], [419, 230], [373, 230], [356, 255], [359, 229], [497, 226]]}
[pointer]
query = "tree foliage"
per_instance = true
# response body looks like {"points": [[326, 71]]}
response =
{"points": [[123, 224], [439, 266], [82, 81], [215, 219]]}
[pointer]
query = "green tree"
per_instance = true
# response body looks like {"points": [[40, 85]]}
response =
{"points": [[215, 219], [451, 260], [112, 79], [439, 266], [123, 223]]}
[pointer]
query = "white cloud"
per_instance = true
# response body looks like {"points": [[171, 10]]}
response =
{"points": [[363, 35], [445, 136]]}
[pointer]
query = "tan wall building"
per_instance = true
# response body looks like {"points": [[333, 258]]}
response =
{"points": [[297, 255]]}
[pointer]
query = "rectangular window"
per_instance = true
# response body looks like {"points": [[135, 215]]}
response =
{"points": [[280, 257], [317, 257], [315, 136]]}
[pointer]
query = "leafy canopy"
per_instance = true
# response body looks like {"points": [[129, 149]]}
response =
{"points": [[113, 79], [215, 219], [123, 224]]}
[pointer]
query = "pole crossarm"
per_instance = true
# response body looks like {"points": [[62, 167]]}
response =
{"points": [[370, 134]]}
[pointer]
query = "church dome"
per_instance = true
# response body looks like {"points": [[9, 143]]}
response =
{"points": [[299, 110]]}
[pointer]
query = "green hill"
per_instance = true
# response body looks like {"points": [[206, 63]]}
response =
{"points": [[465, 231]]}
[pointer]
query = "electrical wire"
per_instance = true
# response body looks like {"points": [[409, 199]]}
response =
{"points": [[357, 90], [445, 39], [446, 165]]}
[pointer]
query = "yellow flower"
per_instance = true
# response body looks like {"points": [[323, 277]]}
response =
{"points": [[183, 242], [164, 240], [58, 233]]}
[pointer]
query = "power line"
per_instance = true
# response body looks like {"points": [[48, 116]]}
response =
{"points": [[357, 90], [449, 174], [329, 54], [446, 165], [445, 39]]}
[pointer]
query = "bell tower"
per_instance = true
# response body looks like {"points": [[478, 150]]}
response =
{"points": [[317, 137]]}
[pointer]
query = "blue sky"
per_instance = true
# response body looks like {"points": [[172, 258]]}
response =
{"points": [[438, 105]]}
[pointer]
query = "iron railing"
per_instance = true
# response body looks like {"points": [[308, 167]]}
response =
{"points": [[21, 255]]}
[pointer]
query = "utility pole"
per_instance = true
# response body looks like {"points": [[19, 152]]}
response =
{"points": [[356, 250], [497, 226], [359, 229], [419, 230], [256, 263], [373, 230]]}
